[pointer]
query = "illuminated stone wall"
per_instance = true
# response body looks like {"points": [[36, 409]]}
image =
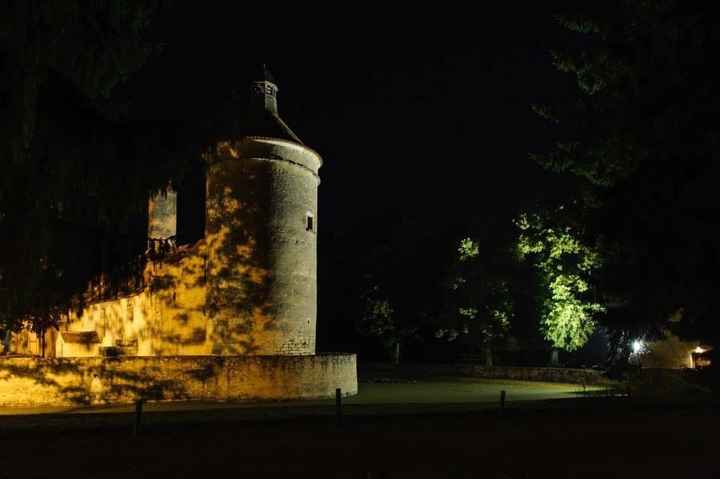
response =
{"points": [[231, 316], [262, 262], [162, 215], [35, 382], [376, 371], [247, 288], [165, 318]]}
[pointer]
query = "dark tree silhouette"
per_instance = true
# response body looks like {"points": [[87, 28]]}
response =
{"points": [[65, 171], [639, 140]]}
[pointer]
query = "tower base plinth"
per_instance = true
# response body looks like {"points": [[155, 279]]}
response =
{"points": [[37, 382]]}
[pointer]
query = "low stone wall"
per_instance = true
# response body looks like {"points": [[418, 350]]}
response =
{"points": [[36, 382], [553, 375], [375, 371]]}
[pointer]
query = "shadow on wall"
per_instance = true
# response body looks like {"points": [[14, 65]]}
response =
{"points": [[238, 290], [216, 296], [177, 304], [30, 382], [34, 382], [211, 297]]}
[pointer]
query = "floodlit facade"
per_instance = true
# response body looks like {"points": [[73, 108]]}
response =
{"points": [[249, 285], [230, 315]]}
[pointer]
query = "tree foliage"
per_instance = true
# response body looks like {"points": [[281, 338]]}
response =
{"points": [[95, 45], [639, 139], [378, 320], [479, 296], [565, 267], [68, 168]]}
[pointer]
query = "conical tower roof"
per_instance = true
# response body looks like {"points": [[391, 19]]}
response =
{"points": [[261, 72], [262, 118]]}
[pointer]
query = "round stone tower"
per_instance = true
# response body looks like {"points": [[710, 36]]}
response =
{"points": [[261, 235]]}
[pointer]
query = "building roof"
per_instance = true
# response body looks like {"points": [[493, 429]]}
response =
{"points": [[82, 337], [262, 73], [267, 125], [262, 118]]}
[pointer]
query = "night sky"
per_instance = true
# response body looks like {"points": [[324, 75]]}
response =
{"points": [[407, 117], [424, 123]]}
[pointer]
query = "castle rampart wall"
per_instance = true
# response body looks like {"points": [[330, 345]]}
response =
{"points": [[36, 382]]}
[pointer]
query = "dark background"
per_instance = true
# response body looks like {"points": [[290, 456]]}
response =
{"points": [[423, 121]]}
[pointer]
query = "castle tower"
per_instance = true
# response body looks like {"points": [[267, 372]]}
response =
{"points": [[261, 235], [246, 292]]}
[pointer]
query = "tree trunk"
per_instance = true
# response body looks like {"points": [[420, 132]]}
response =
{"points": [[555, 358], [487, 356], [396, 353]]}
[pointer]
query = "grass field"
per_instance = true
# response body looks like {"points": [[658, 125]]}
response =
{"points": [[464, 390], [441, 428], [470, 392]]}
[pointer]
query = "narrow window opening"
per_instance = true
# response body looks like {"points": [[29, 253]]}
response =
{"points": [[309, 223]]}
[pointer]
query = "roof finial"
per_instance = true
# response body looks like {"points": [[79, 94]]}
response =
{"points": [[267, 75], [264, 90], [263, 118], [261, 73]]}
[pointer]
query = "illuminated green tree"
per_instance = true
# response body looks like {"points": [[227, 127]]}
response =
{"points": [[637, 141], [565, 267]]}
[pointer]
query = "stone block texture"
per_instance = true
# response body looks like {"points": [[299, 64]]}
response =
{"points": [[247, 287], [37, 382]]}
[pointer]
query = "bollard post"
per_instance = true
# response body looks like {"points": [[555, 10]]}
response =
{"points": [[138, 416], [338, 406], [502, 400]]}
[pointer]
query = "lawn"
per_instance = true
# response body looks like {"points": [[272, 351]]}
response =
{"points": [[462, 390], [439, 392], [442, 428]]}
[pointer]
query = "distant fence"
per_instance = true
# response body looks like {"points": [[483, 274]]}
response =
{"points": [[375, 371]]}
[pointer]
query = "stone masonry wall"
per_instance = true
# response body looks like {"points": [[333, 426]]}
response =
{"points": [[262, 246], [377, 371], [35, 382]]}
